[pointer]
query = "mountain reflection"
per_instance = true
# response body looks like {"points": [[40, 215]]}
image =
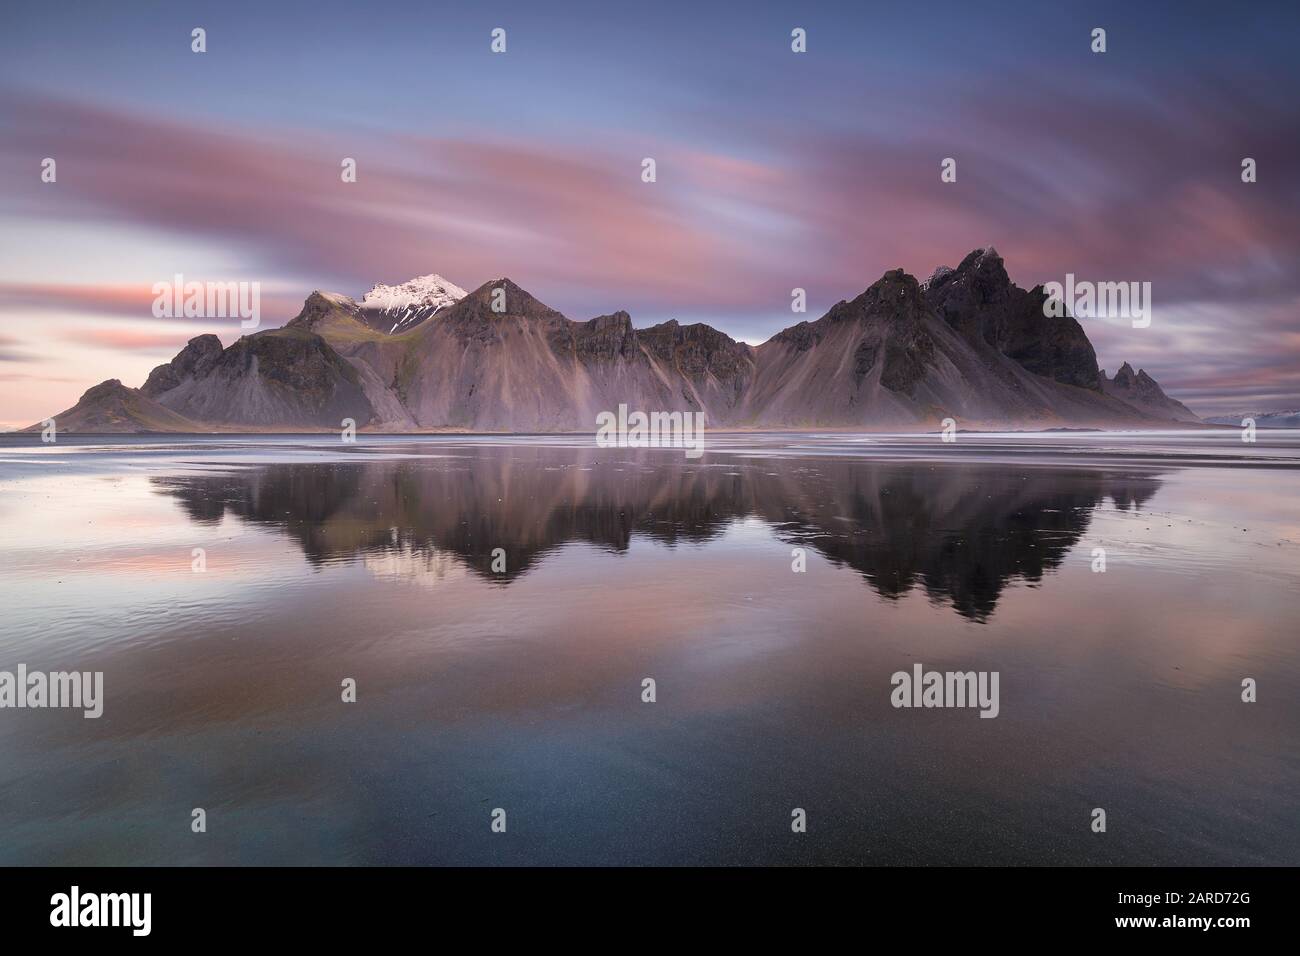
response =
{"points": [[960, 531]]}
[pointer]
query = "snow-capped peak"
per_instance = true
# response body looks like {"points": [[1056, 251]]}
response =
{"points": [[423, 292]]}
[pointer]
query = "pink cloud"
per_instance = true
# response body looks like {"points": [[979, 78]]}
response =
{"points": [[1106, 187], [129, 339]]}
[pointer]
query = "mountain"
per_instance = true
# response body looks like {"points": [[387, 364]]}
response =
{"points": [[111, 407], [527, 367], [425, 355], [283, 378], [1279, 419], [394, 308], [979, 301], [1141, 391], [966, 344]]}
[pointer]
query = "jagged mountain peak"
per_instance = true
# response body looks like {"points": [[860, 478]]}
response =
{"points": [[979, 301], [938, 275], [895, 291], [199, 355], [895, 296], [500, 298], [981, 276], [1126, 377], [986, 258], [1143, 392]]}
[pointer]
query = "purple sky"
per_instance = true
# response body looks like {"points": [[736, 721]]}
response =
{"points": [[775, 169]]}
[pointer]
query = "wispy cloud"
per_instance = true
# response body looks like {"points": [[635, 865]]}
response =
{"points": [[128, 339]]}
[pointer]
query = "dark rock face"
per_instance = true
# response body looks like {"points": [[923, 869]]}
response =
{"points": [[892, 314], [298, 360], [908, 352], [602, 339], [864, 360], [967, 344], [801, 337], [979, 301], [198, 357], [699, 351], [895, 296], [287, 377], [896, 302]]}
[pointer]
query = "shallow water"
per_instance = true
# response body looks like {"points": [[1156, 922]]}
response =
{"points": [[521, 688]]}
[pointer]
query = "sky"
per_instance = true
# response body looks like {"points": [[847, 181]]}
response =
{"points": [[774, 169]]}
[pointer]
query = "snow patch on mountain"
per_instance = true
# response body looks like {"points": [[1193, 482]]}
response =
{"points": [[419, 293]]}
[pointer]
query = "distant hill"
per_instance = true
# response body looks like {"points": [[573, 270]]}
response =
{"points": [[1289, 419]]}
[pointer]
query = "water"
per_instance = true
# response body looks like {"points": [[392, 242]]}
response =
{"points": [[521, 689]]}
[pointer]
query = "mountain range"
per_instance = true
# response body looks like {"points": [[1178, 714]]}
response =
{"points": [[1287, 418], [967, 343]]}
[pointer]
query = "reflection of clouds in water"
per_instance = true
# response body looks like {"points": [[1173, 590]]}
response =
{"points": [[526, 686], [423, 566]]}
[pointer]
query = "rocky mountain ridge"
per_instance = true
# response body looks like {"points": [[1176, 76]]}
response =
{"points": [[967, 344]]}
